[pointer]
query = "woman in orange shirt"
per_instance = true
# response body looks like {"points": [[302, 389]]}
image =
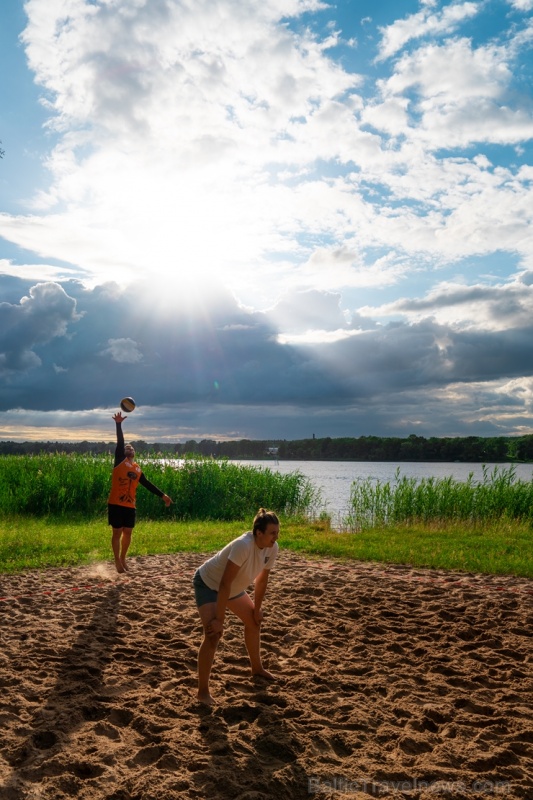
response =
{"points": [[127, 475]]}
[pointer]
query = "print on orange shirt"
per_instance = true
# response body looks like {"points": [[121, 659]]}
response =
{"points": [[124, 482]]}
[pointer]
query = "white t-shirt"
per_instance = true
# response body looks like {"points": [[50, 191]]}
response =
{"points": [[243, 552]]}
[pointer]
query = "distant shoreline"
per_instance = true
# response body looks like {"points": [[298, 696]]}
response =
{"points": [[418, 449]]}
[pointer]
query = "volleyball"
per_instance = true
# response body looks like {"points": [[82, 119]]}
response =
{"points": [[127, 404]]}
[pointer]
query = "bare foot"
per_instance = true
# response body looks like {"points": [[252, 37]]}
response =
{"points": [[123, 562], [119, 565], [264, 673], [206, 699]]}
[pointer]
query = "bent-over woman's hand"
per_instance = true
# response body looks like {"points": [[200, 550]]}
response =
{"points": [[215, 626]]}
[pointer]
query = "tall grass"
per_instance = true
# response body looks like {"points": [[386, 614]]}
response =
{"points": [[77, 486], [498, 496]]}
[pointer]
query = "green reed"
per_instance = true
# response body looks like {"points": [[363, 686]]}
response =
{"points": [[499, 495], [77, 485]]}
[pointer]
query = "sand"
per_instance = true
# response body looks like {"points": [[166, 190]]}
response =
{"points": [[396, 682]]}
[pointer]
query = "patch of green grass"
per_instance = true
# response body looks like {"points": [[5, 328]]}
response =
{"points": [[502, 547], [40, 543]]}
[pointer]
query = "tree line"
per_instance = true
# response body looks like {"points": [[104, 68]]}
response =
{"points": [[496, 449]]}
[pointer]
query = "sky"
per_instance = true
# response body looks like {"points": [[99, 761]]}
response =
{"points": [[266, 220]]}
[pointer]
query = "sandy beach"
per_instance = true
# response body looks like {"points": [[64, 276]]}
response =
{"points": [[394, 682]]}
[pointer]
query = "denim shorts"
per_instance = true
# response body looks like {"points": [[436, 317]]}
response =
{"points": [[203, 594]]}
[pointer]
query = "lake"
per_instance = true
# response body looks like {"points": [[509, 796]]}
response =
{"points": [[334, 478]]}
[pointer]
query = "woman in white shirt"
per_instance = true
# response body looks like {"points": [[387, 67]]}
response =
{"points": [[221, 583]]}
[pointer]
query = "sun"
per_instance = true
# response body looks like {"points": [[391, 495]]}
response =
{"points": [[194, 225]]}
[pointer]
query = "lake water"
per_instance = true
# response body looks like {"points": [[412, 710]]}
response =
{"points": [[334, 478]]}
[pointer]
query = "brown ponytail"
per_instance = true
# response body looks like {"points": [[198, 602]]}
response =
{"points": [[264, 518]]}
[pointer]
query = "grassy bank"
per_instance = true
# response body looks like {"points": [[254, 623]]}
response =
{"points": [[498, 548]]}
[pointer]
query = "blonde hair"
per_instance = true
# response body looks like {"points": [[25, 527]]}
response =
{"points": [[263, 519]]}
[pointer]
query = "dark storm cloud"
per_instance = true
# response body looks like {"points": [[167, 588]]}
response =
{"points": [[222, 367], [39, 317], [188, 347], [500, 305]]}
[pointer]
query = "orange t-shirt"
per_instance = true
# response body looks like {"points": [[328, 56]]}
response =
{"points": [[124, 482]]}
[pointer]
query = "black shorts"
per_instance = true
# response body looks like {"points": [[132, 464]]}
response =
{"points": [[120, 516]]}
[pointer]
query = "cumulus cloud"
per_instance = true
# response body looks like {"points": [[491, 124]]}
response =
{"points": [[123, 351], [42, 315], [169, 119], [201, 139], [247, 216], [499, 307], [298, 312], [522, 5], [415, 26], [462, 95]]}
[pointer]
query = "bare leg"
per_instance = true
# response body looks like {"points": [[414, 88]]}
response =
{"points": [[243, 607], [115, 544], [125, 543], [206, 654]]}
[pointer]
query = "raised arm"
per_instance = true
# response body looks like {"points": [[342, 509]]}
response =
{"points": [[119, 449]]}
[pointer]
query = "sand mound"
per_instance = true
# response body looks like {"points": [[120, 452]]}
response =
{"points": [[396, 683]]}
